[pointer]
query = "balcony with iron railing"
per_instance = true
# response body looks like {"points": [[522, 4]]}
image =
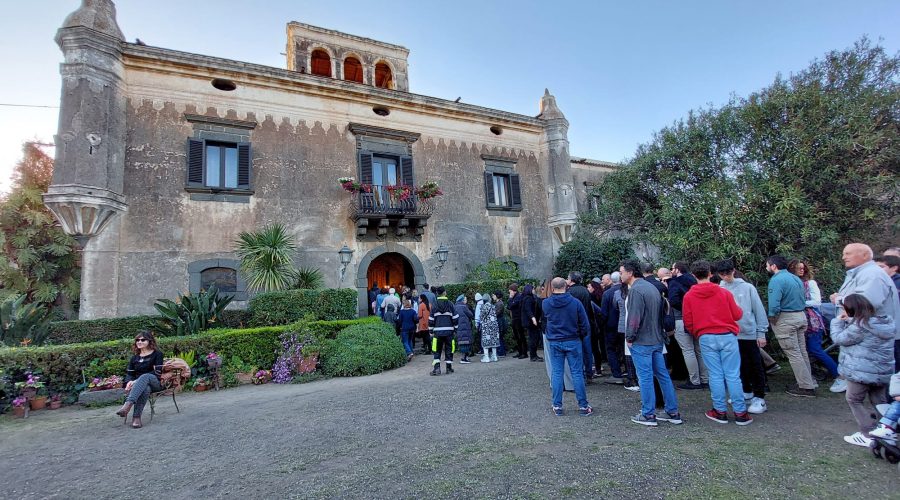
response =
{"points": [[383, 207]]}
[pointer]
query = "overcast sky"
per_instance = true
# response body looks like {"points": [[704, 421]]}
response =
{"points": [[619, 70]]}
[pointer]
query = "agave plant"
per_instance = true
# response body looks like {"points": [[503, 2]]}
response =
{"points": [[267, 261], [309, 278], [22, 324], [190, 314]]}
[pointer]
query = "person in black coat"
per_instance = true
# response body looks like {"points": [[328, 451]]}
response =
{"points": [[515, 312], [577, 290], [530, 321]]}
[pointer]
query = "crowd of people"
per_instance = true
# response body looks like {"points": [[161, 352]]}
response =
{"points": [[719, 324]]}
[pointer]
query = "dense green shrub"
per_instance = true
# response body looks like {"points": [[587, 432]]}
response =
{"points": [[233, 318], [470, 288], [289, 306], [592, 255], [328, 330], [99, 330], [61, 365], [363, 350]]}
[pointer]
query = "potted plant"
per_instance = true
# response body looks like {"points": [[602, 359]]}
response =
{"points": [[38, 402], [201, 384], [30, 385], [20, 407], [56, 401], [213, 361], [429, 190], [262, 377], [350, 185]]}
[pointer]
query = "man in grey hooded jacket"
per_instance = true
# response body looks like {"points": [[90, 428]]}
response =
{"points": [[752, 336], [867, 279]]}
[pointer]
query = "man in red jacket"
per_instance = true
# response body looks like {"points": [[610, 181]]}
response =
{"points": [[711, 315]]}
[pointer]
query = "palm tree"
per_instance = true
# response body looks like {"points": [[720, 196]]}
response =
{"points": [[267, 261]]}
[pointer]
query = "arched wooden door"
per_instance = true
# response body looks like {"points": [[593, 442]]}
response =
{"points": [[390, 270]]}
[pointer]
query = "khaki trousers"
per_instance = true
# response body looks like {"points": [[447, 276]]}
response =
{"points": [[790, 331]]}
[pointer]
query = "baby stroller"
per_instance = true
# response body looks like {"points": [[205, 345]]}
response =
{"points": [[885, 448]]}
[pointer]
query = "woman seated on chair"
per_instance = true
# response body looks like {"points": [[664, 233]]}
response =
{"points": [[142, 376]]}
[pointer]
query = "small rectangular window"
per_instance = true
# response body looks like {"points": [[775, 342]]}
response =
{"points": [[502, 188], [218, 166]]}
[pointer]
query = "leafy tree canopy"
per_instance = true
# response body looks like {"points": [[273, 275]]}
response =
{"points": [[798, 168], [37, 259]]}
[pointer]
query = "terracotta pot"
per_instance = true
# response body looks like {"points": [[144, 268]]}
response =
{"points": [[55, 405], [214, 363], [19, 411], [38, 403], [200, 387]]}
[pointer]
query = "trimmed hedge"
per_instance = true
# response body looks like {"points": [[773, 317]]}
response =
{"points": [[289, 306], [98, 330], [470, 288], [61, 366], [363, 349]]}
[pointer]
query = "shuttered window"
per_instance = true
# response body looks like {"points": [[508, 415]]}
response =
{"points": [[380, 170], [502, 191], [219, 166]]}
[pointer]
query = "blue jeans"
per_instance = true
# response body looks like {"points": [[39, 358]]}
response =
{"points": [[649, 362], [814, 348], [407, 337], [723, 361], [587, 355], [892, 415], [560, 352]]}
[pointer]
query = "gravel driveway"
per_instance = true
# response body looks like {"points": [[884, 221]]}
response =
{"points": [[484, 432]]}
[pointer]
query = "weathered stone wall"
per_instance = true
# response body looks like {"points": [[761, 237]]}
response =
{"points": [[295, 166]]}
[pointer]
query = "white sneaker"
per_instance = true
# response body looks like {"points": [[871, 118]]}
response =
{"points": [[748, 396], [485, 359], [839, 385], [633, 388], [757, 406], [494, 356], [858, 439], [883, 431]]}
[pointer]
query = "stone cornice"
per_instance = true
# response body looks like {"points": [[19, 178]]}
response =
{"points": [[371, 130], [142, 57], [215, 120]]}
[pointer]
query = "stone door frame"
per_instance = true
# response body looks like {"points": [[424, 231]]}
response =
{"points": [[362, 272]]}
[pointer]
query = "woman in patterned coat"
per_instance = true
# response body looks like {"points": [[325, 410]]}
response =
{"points": [[490, 330]]}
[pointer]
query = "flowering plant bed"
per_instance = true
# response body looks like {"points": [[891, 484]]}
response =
{"points": [[102, 384]]}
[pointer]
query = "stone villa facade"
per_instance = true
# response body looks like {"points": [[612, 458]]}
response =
{"points": [[164, 157]]}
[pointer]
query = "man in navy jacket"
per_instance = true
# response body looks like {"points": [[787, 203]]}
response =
{"points": [[567, 324]]}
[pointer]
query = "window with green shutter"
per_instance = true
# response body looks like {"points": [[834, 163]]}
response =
{"points": [[218, 166], [502, 185]]}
